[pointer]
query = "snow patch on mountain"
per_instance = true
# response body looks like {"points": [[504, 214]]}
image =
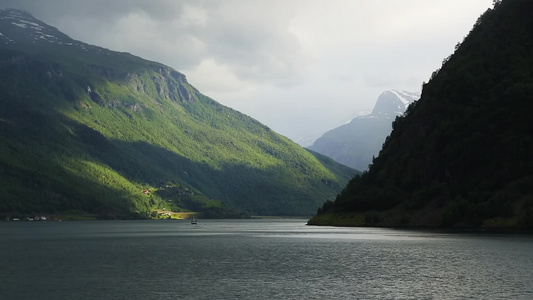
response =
{"points": [[19, 25], [34, 25], [405, 97], [368, 117], [12, 21], [393, 103]]}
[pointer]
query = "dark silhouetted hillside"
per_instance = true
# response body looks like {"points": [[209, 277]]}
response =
{"points": [[462, 154]]}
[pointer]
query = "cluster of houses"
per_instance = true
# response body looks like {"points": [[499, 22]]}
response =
{"points": [[36, 218], [165, 214]]}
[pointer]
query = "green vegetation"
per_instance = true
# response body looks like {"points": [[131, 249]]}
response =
{"points": [[462, 155], [115, 136]]}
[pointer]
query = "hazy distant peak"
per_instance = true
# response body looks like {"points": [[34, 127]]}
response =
{"points": [[355, 143]]}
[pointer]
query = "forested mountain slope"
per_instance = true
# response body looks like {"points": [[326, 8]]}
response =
{"points": [[85, 129], [462, 155]]}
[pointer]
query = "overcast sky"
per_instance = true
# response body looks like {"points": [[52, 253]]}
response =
{"points": [[301, 67]]}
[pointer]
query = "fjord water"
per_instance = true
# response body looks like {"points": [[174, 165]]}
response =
{"points": [[257, 259]]}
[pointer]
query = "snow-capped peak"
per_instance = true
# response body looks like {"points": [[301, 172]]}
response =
{"points": [[406, 97], [393, 102]]}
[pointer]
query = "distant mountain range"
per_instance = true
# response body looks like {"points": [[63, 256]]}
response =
{"points": [[90, 132], [354, 144], [462, 155]]}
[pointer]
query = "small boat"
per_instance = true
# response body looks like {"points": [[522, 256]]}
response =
{"points": [[194, 221]]}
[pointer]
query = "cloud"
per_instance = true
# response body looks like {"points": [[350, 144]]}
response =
{"points": [[275, 42], [219, 78], [249, 38], [297, 65], [252, 38]]}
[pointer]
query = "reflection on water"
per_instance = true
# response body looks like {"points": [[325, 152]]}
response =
{"points": [[259, 259]]}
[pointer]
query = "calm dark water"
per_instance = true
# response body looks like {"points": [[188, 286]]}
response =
{"points": [[257, 259]]}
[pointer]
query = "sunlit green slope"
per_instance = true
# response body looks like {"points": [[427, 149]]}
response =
{"points": [[88, 129]]}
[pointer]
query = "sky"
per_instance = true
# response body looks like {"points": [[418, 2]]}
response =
{"points": [[301, 67]]}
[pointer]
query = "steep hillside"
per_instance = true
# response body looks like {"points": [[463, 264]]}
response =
{"points": [[462, 155], [89, 130], [354, 144]]}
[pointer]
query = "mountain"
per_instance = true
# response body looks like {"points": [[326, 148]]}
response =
{"points": [[461, 156], [86, 130], [355, 143]]}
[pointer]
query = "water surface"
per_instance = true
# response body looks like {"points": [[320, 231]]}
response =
{"points": [[257, 259]]}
